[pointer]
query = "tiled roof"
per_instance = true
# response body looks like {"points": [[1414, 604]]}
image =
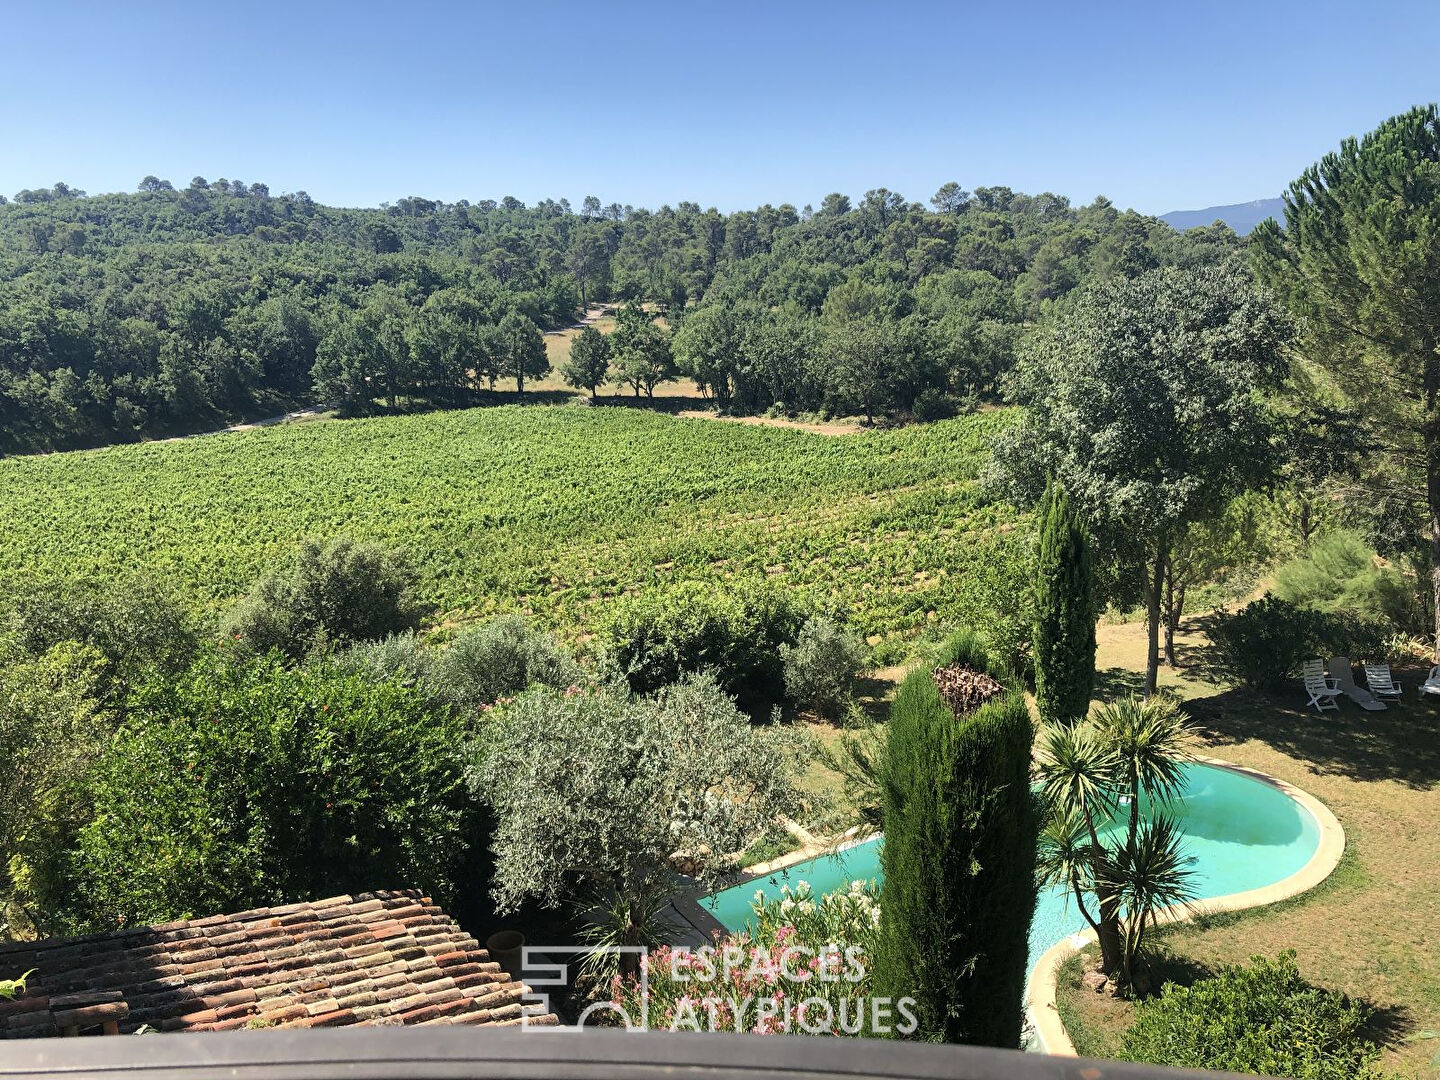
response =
{"points": [[376, 958]]}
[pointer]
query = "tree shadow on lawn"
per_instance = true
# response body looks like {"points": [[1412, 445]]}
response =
{"points": [[1402, 743], [873, 695], [1116, 682]]}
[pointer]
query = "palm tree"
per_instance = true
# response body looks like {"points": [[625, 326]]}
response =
{"points": [[1095, 776]]}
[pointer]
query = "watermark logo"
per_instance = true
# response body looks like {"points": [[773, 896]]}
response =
{"points": [[542, 969], [727, 988]]}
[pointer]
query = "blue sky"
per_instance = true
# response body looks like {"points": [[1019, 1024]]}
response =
{"points": [[1159, 105]]}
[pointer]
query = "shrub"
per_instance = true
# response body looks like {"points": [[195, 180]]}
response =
{"points": [[933, 404], [735, 633], [500, 658], [1064, 612], [403, 657], [331, 593], [1340, 574], [959, 856], [250, 784], [822, 666], [1261, 1019], [1266, 642], [50, 731], [136, 627]]}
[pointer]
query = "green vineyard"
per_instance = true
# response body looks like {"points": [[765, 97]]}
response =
{"points": [[550, 510]]}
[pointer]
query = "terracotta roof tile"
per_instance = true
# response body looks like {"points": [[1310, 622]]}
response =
{"points": [[388, 957]]}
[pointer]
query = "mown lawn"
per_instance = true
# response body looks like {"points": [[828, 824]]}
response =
{"points": [[1373, 929]]}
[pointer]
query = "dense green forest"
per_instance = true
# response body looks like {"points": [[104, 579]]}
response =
{"points": [[130, 316]]}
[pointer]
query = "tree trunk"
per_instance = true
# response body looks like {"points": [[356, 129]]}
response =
{"points": [[1154, 586], [629, 961], [1112, 949], [1174, 609], [1431, 439], [520, 383], [1167, 618]]}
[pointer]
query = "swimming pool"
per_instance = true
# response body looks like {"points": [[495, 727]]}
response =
{"points": [[1242, 833]]}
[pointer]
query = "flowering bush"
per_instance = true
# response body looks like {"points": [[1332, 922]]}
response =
{"points": [[803, 970]]}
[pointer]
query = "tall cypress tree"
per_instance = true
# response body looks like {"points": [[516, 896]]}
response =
{"points": [[959, 858], [1064, 612]]}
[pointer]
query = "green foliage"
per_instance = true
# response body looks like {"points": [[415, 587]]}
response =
{"points": [[131, 316], [249, 784], [396, 656], [482, 665], [521, 350], [51, 729], [330, 593], [1340, 574], [1358, 259], [736, 634], [498, 659], [822, 666], [1263, 1019], [1132, 436], [594, 792], [1266, 642], [641, 350], [1124, 387], [959, 858], [136, 626], [554, 512], [1109, 782], [588, 365], [10, 989], [1065, 612]]}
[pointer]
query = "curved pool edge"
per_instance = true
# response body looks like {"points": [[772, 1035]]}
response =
{"points": [[688, 904], [1040, 1007]]}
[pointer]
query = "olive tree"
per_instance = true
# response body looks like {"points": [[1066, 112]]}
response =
{"points": [[599, 796], [1145, 402]]}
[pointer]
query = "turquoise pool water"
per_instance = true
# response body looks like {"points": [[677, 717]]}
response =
{"points": [[1242, 833]]}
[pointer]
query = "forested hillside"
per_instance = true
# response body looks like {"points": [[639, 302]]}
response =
{"points": [[129, 316]]}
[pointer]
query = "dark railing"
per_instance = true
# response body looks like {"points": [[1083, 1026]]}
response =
{"points": [[512, 1054]]}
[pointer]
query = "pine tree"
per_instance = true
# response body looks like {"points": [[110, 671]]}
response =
{"points": [[1358, 260], [1064, 612], [959, 858]]}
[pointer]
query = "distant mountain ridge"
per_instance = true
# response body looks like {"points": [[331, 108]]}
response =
{"points": [[1242, 217]]}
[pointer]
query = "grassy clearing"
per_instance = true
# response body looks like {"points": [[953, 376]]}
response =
{"points": [[1373, 929]]}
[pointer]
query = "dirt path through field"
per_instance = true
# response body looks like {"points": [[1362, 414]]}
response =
{"points": [[592, 314]]}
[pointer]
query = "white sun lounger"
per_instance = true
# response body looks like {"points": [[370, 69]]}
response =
{"points": [[1322, 691], [1381, 682], [1343, 677], [1431, 685]]}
